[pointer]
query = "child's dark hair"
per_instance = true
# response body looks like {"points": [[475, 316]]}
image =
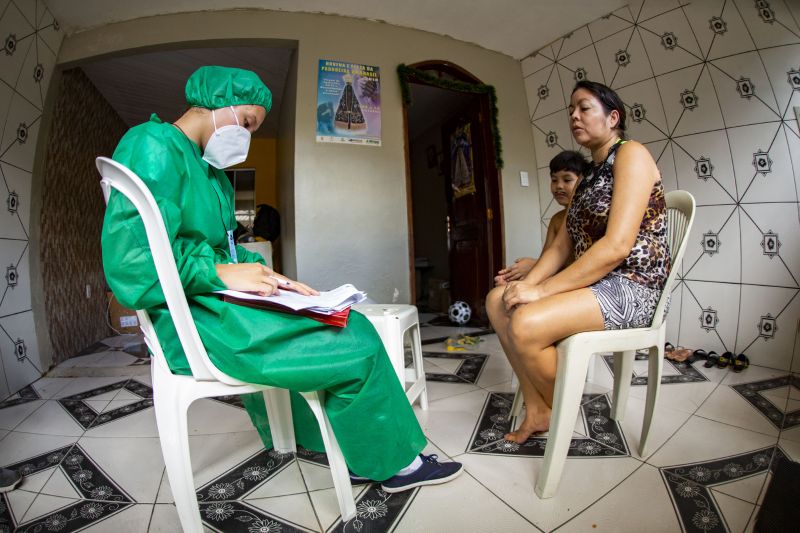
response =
{"points": [[570, 161], [609, 99]]}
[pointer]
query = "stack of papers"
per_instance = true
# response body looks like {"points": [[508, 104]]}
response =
{"points": [[331, 307], [327, 303]]}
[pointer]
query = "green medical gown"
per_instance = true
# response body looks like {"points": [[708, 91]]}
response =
{"points": [[368, 410]]}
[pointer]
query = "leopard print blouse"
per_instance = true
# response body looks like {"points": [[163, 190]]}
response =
{"points": [[649, 261]]}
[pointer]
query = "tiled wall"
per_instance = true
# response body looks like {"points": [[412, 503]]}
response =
{"points": [[710, 88], [84, 125], [30, 40]]}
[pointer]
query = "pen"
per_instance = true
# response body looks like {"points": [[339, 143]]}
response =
{"points": [[284, 282]]}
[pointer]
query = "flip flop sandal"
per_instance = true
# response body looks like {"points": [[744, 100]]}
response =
{"points": [[740, 363], [725, 360], [696, 356], [681, 354], [668, 349], [711, 359]]}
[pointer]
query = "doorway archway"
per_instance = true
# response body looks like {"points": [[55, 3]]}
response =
{"points": [[453, 185]]}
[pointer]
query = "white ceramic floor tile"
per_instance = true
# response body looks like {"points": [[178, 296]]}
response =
{"points": [[295, 509], [287, 481], [133, 519], [736, 512], [791, 434], [316, 477], [460, 505], [60, 485], [123, 341], [645, 500], [165, 519], [19, 501], [449, 422], [117, 359], [326, 505], [752, 522], [11, 417], [79, 385], [135, 464], [512, 479], [47, 388], [213, 455], [686, 397], [438, 390], [139, 424], [729, 407], [44, 505], [18, 447], [83, 361], [51, 419], [666, 421], [208, 417]]}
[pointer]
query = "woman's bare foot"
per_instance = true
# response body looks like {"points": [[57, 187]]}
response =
{"points": [[533, 423]]}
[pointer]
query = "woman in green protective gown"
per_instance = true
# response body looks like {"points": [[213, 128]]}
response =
{"points": [[181, 164]]}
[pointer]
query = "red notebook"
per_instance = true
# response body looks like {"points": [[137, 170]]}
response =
{"points": [[338, 318]]}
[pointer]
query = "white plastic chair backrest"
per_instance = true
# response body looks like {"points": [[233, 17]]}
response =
{"points": [[125, 181], [680, 217]]}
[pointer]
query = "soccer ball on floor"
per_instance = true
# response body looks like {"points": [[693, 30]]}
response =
{"points": [[460, 313]]}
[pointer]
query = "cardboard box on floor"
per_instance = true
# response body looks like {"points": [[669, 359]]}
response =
{"points": [[121, 318]]}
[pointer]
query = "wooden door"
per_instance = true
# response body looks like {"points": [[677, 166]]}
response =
{"points": [[471, 172]]}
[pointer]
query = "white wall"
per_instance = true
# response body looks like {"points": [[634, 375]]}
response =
{"points": [[350, 201], [31, 40], [736, 282]]}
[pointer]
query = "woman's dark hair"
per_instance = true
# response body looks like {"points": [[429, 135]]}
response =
{"points": [[570, 161], [609, 99]]}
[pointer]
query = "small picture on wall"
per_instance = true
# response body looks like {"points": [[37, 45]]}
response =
{"points": [[430, 152]]}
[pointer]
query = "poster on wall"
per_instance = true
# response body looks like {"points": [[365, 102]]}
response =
{"points": [[348, 103], [462, 174]]}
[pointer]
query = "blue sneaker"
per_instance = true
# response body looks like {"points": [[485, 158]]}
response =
{"points": [[432, 472], [359, 480]]}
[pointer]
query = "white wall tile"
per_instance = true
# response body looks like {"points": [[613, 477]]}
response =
{"points": [[13, 23], [773, 28], [577, 40], [720, 225], [668, 53], [535, 63], [719, 300], [21, 111], [778, 62], [735, 39], [744, 90], [608, 25], [14, 225], [15, 284], [714, 184], [544, 88], [671, 86], [644, 98], [651, 9], [547, 145], [20, 372], [782, 266], [776, 182], [699, 15], [767, 345]]}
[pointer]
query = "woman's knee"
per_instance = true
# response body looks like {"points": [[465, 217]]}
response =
{"points": [[527, 330]]}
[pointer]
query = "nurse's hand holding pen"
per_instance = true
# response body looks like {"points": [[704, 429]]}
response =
{"points": [[259, 279]]}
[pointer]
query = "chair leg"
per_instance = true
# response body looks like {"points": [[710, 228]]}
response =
{"points": [[570, 378], [419, 366], [341, 476], [279, 413], [655, 367], [173, 431], [623, 369]]}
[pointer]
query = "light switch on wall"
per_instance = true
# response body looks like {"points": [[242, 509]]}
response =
{"points": [[523, 179]]}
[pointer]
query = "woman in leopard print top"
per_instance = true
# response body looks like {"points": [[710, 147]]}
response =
{"points": [[616, 227]]}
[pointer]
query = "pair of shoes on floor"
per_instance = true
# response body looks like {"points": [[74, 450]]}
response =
{"points": [[737, 363], [431, 472], [9, 479]]}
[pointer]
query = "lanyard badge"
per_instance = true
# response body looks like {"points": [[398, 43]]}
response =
{"points": [[232, 246]]}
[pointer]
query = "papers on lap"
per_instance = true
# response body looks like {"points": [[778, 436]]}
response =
{"points": [[330, 307]]}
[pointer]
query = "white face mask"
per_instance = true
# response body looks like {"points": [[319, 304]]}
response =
{"points": [[228, 145]]}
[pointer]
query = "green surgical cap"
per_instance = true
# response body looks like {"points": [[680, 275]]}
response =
{"points": [[215, 87]]}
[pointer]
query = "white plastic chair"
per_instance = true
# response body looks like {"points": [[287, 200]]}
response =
{"points": [[574, 354], [392, 321], [173, 394]]}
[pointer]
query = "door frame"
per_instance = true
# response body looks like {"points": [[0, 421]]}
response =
{"points": [[493, 179]]}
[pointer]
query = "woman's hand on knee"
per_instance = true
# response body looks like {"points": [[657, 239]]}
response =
{"points": [[518, 293]]}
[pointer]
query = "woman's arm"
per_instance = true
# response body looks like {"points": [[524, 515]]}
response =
{"points": [[635, 173]]}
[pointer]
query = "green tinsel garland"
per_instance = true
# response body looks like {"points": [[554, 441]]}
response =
{"points": [[406, 72]]}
